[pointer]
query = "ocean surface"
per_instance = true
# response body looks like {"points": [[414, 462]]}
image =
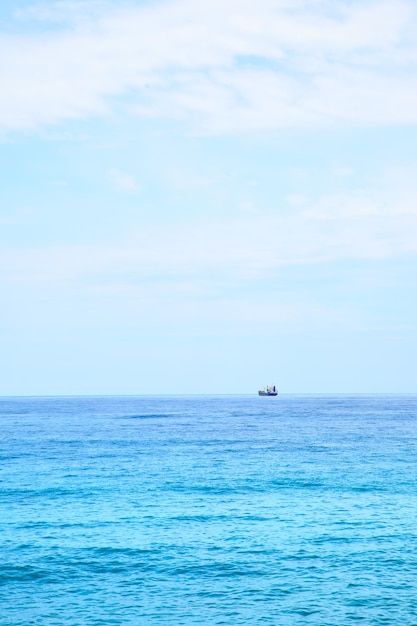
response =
{"points": [[295, 510]]}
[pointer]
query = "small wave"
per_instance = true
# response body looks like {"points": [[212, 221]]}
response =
{"points": [[213, 570], [144, 416], [22, 573]]}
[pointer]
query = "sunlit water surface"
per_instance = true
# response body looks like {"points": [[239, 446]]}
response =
{"points": [[209, 510]]}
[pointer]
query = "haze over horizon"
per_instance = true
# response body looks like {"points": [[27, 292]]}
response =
{"points": [[208, 197]]}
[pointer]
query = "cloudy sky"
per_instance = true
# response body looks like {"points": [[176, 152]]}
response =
{"points": [[203, 196]]}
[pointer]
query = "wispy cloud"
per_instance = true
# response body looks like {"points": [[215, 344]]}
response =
{"points": [[224, 67], [123, 180], [350, 227]]}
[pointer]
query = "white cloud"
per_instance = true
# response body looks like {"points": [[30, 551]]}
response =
{"points": [[342, 172], [123, 180], [354, 226], [226, 66], [60, 11]]}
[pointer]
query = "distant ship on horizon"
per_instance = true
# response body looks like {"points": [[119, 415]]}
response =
{"points": [[269, 390]]}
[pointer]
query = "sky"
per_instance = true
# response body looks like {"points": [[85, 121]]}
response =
{"points": [[208, 196]]}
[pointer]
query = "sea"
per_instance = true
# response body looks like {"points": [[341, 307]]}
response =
{"points": [[212, 510]]}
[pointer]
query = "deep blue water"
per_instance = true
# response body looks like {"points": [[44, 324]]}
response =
{"points": [[208, 510]]}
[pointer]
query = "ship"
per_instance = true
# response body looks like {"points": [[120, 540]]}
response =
{"points": [[270, 390]]}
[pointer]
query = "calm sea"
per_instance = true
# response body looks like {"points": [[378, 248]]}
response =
{"points": [[208, 510]]}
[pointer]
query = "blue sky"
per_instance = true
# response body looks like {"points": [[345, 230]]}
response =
{"points": [[203, 197]]}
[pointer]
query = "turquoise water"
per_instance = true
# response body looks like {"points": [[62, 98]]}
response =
{"points": [[208, 510]]}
